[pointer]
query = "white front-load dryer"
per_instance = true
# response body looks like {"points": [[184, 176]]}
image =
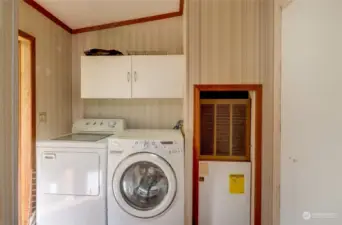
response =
{"points": [[146, 178]]}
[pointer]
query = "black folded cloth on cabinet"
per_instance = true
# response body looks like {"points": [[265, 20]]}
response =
{"points": [[102, 52]]}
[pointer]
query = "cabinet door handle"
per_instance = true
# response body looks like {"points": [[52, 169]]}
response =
{"points": [[128, 76], [135, 76]]}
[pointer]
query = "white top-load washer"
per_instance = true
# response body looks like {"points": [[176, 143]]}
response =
{"points": [[146, 178], [72, 174]]}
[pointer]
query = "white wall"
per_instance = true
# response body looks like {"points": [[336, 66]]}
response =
{"points": [[53, 71], [311, 155], [232, 42]]}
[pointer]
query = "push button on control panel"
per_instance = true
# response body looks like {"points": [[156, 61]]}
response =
{"points": [[176, 150], [114, 143]]}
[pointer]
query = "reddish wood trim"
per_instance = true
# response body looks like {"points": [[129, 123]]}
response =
{"points": [[196, 147], [32, 39], [20, 190], [258, 155], [49, 15], [24, 195], [223, 160], [229, 87], [181, 7], [258, 143], [126, 22], [57, 21]]}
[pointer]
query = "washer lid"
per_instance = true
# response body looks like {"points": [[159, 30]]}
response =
{"points": [[144, 185]]}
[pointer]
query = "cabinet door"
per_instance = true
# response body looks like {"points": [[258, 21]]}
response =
{"points": [[158, 76], [105, 77]]}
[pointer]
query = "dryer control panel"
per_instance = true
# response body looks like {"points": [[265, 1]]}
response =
{"points": [[99, 125]]}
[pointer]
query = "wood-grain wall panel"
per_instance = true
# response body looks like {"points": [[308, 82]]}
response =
{"points": [[278, 8], [147, 113], [231, 42], [163, 35], [53, 71]]}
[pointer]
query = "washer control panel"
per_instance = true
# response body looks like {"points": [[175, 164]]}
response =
{"points": [[172, 147]]}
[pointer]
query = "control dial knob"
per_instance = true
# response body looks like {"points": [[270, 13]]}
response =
{"points": [[111, 124], [144, 144]]}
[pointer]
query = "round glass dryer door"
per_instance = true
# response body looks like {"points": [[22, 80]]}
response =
{"points": [[144, 185]]}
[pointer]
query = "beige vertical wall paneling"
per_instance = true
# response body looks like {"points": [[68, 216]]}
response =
{"points": [[193, 50], [162, 35], [277, 18], [146, 113], [268, 117], [53, 71], [188, 138], [7, 190], [231, 42]]}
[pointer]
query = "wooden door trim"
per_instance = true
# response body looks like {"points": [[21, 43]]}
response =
{"points": [[28, 173], [32, 40], [258, 143]]}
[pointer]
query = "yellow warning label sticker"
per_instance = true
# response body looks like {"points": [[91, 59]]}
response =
{"points": [[237, 183]]}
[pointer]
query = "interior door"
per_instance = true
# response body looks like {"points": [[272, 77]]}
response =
{"points": [[158, 76], [105, 77], [144, 185]]}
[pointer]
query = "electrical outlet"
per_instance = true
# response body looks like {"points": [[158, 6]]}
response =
{"points": [[42, 117]]}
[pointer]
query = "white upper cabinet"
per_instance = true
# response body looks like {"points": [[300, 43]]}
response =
{"points": [[158, 76], [105, 77]]}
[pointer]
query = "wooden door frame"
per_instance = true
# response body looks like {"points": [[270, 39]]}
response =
{"points": [[257, 88], [32, 41]]}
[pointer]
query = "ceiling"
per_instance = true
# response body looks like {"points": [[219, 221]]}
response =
{"points": [[82, 14]]}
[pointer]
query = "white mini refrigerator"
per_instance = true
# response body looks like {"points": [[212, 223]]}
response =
{"points": [[224, 193]]}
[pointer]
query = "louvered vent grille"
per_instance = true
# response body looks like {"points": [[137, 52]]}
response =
{"points": [[239, 130], [207, 129], [225, 127], [222, 129]]}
